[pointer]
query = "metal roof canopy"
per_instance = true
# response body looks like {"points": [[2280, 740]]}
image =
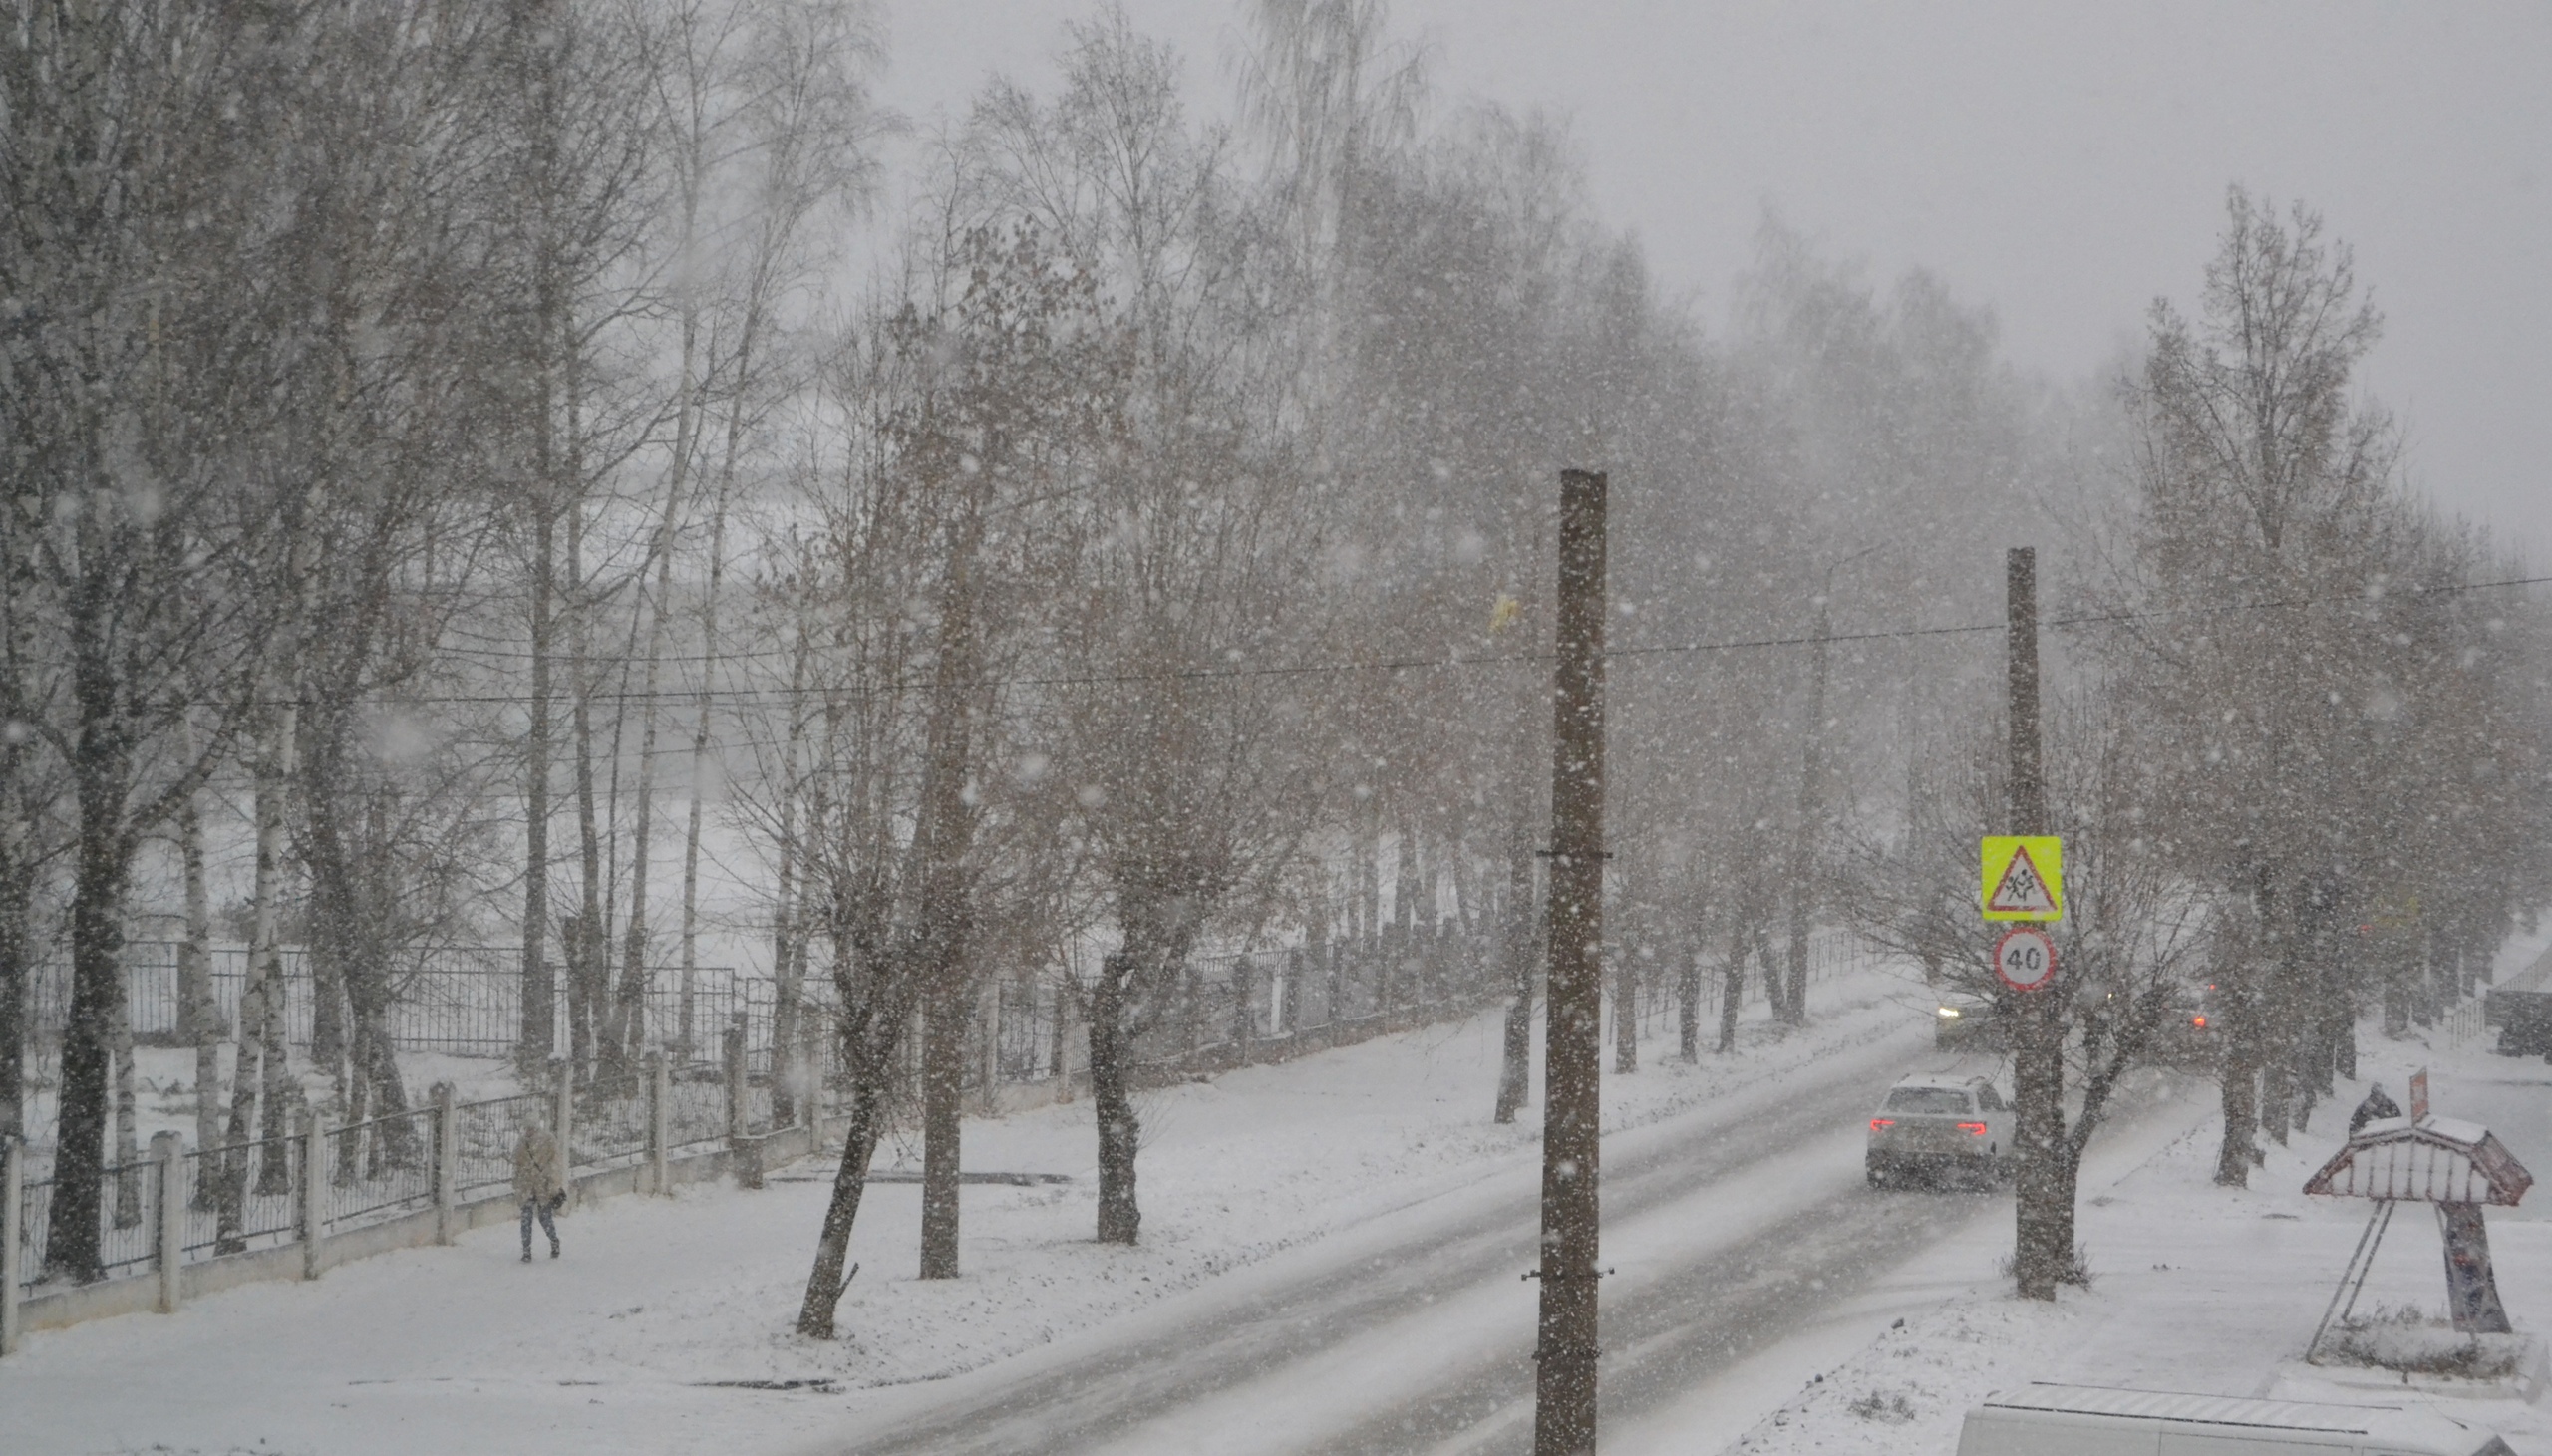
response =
{"points": [[2437, 1160]]}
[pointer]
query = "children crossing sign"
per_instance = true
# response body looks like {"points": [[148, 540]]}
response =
{"points": [[2024, 877]]}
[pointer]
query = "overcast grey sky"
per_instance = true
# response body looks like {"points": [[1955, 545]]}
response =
{"points": [[2061, 162]]}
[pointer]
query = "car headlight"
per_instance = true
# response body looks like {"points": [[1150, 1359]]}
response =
{"points": [[1948, 1013]]}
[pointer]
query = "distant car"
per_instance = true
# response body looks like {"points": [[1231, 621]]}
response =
{"points": [[2186, 1034], [1966, 1023], [1939, 1129]]}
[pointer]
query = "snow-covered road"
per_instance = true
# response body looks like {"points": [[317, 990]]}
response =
{"points": [[1728, 1228], [1331, 1260], [1426, 1330]]}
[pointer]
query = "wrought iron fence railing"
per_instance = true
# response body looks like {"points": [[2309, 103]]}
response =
{"points": [[696, 1115], [381, 1168], [241, 1196], [128, 1220]]}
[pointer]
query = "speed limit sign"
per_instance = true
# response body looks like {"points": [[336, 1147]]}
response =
{"points": [[2024, 958]]}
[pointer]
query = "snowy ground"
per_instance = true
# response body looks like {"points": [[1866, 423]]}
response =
{"points": [[665, 1327], [2196, 1288], [666, 1324]]}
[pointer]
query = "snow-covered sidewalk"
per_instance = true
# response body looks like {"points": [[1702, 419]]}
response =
{"points": [[2196, 1288], [664, 1329]]}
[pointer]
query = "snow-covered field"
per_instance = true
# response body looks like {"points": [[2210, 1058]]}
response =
{"points": [[2196, 1288]]}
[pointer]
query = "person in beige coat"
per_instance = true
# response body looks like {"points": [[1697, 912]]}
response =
{"points": [[540, 1182]]}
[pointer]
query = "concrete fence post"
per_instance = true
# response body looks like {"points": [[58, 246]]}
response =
{"points": [[314, 1192], [563, 1121], [1244, 990], [446, 1124], [168, 1150], [13, 1187], [731, 1052], [660, 1096]]}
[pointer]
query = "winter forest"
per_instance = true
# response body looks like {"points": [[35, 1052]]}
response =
{"points": [[535, 539]]}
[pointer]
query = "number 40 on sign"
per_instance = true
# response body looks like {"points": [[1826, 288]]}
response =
{"points": [[2024, 958]]}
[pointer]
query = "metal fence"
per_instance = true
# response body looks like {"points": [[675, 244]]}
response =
{"points": [[35, 1215], [609, 1130], [382, 1168], [128, 1220], [461, 1000], [320, 1180], [696, 1114], [242, 1196]]}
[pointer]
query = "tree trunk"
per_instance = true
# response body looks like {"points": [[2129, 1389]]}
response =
{"points": [[539, 1026], [258, 1079], [100, 769], [945, 915], [327, 1016], [1626, 1013], [1515, 1063], [1119, 1130], [349, 912], [629, 1012], [2277, 1018], [943, 1088], [1688, 1002], [1731, 985], [2240, 1079], [16, 967], [588, 948], [199, 1022], [829, 1279], [97, 995], [787, 919], [127, 1137]]}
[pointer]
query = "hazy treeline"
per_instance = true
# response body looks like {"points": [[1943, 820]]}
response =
{"points": [[2299, 757], [501, 447]]}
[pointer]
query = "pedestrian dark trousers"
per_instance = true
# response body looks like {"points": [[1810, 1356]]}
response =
{"points": [[540, 1205]]}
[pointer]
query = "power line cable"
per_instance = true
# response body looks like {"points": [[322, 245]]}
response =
{"points": [[695, 693]]}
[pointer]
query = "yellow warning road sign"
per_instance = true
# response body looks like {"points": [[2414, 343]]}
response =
{"points": [[2024, 877]]}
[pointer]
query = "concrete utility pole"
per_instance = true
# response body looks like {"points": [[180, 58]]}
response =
{"points": [[1572, 1115], [2038, 1065]]}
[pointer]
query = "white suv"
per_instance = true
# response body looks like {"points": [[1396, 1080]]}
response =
{"points": [[1931, 1127]]}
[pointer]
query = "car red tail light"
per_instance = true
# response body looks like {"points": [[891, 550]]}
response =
{"points": [[1973, 1129], [1878, 1122], [2198, 1022]]}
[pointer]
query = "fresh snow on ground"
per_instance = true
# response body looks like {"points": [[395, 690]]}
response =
{"points": [[667, 1323], [2196, 1288], [664, 1329]]}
